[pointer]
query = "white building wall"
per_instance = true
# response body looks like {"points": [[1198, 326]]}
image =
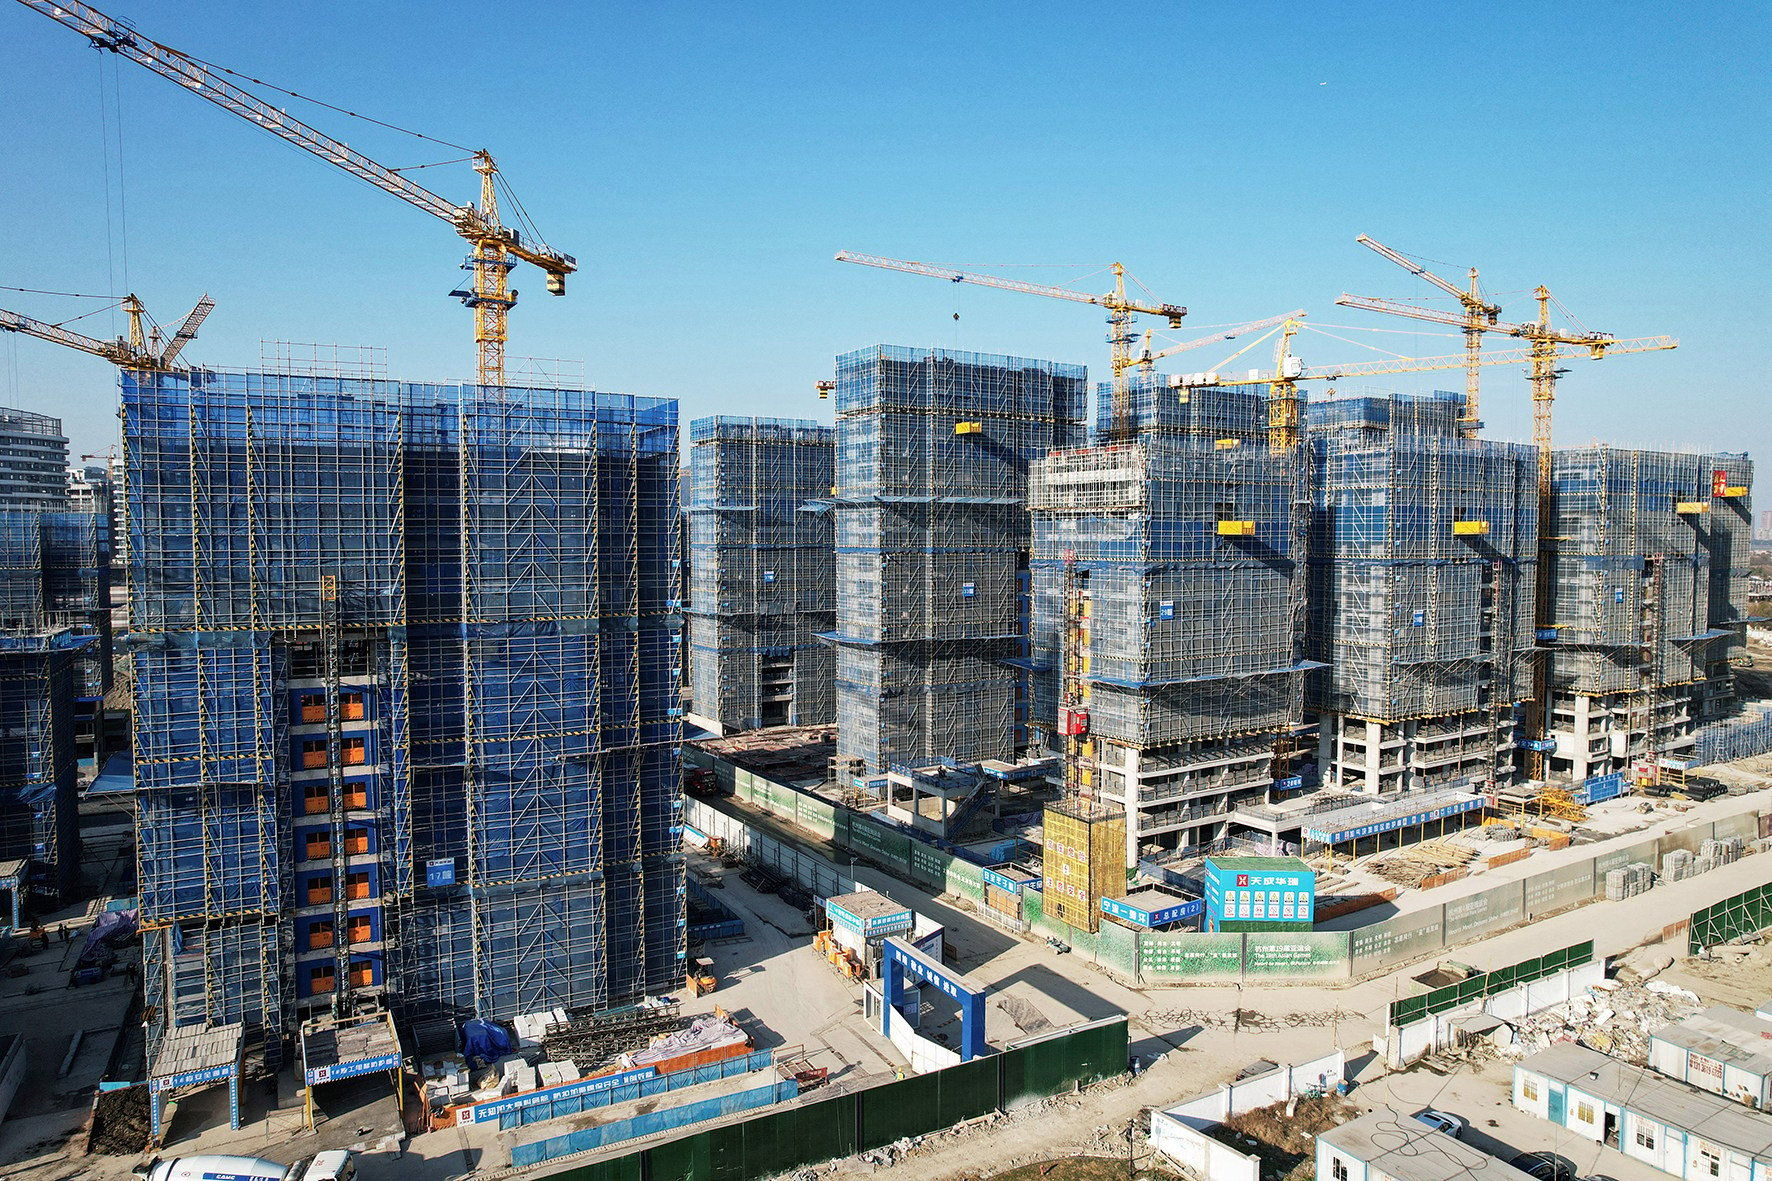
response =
{"points": [[1328, 1158], [1532, 1092]]}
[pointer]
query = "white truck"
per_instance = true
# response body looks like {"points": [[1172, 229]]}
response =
{"points": [[323, 1166]]}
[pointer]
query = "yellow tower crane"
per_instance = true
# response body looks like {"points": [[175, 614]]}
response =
{"points": [[1147, 360], [1479, 317], [1120, 311], [1542, 354], [496, 248], [141, 349]]}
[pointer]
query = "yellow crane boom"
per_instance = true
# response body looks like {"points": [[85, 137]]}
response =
{"points": [[1120, 311], [1289, 370], [494, 244], [1147, 359], [1478, 312], [139, 350]]}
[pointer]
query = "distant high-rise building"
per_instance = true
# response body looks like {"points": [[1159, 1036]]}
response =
{"points": [[1765, 531], [932, 536], [33, 461], [761, 579], [405, 671]]}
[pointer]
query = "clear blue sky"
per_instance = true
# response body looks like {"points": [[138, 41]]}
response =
{"points": [[704, 162]]}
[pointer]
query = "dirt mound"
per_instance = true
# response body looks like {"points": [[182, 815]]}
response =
{"points": [[120, 1122]]}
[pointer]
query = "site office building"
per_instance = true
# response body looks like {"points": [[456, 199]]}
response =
{"points": [[406, 696]]}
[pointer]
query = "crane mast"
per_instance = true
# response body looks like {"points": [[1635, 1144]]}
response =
{"points": [[1479, 314], [495, 248]]}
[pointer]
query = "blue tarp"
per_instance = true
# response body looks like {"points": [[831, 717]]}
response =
{"points": [[485, 1040], [118, 775]]}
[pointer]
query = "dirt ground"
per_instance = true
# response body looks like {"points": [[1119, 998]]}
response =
{"points": [[1086, 1168]]}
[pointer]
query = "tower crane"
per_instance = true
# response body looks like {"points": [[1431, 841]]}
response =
{"points": [[1289, 370], [495, 247], [1542, 354], [1479, 317], [147, 350], [1146, 359], [1120, 311]]}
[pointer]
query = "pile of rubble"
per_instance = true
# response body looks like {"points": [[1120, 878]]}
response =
{"points": [[1612, 1017], [888, 1155]]}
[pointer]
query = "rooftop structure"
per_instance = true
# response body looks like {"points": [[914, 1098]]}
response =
{"points": [[1175, 560], [760, 571], [1669, 1125], [1423, 560], [33, 461], [1722, 1050], [1642, 618], [933, 451], [1385, 1146], [406, 712]]}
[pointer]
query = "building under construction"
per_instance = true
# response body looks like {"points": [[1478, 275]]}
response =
{"points": [[54, 655], [1423, 568], [406, 714], [1168, 568], [1647, 599], [761, 572], [932, 536]]}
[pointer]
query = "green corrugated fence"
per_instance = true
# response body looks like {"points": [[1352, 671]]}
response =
{"points": [[1746, 913], [1416, 1008], [805, 1133]]}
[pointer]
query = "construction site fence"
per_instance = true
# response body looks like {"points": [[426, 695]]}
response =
{"points": [[844, 1124], [1446, 1027], [826, 872], [644, 1088], [1743, 914], [1163, 957], [1411, 1009], [652, 1123]]}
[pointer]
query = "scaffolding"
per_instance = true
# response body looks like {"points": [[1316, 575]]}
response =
{"points": [[54, 652], [1424, 551], [1185, 547], [1647, 597], [761, 571], [406, 709], [932, 458]]}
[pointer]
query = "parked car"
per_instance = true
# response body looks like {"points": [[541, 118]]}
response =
{"points": [[1545, 1166], [1439, 1121]]}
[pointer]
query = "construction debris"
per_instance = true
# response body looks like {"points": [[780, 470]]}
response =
{"points": [[1418, 864], [1611, 1017]]}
